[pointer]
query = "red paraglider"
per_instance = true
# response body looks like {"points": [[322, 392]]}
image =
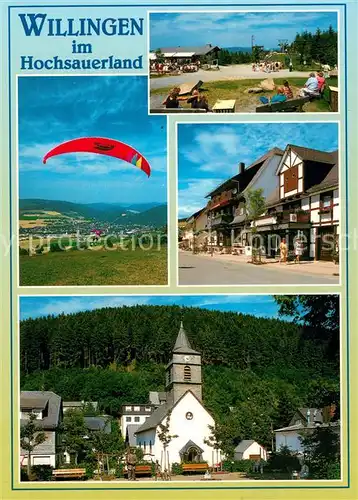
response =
{"points": [[103, 146]]}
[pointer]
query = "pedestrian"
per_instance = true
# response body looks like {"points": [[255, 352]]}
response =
{"points": [[283, 251], [131, 461], [298, 249], [157, 470]]}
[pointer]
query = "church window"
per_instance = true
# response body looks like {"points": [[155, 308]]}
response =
{"points": [[150, 447], [145, 446], [187, 373]]}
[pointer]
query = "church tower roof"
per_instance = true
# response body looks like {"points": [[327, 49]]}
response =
{"points": [[182, 344]]}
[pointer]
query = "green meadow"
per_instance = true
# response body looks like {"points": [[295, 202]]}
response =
{"points": [[95, 267]]}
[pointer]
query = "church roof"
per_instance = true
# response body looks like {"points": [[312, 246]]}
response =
{"points": [[156, 418], [182, 344], [162, 411]]}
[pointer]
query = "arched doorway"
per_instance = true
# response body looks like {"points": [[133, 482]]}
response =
{"points": [[191, 452]]}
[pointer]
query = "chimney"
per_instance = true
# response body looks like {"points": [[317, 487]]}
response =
{"points": [[241, 167]]}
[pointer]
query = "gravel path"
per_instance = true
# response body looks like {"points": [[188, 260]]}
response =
{"points": [[234, 72]]}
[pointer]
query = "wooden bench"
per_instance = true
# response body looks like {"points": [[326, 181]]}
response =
{"points": [[69, 473], [195, 467], [177, 110], [291, 105], [141, 470]]}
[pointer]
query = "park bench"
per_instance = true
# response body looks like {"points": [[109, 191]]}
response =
{"points": [[291, 105], [177, 110], [195, 467], [141, 470], [69, 473]]}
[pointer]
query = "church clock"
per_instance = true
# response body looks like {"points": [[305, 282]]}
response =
{"points": [[187, 358]]}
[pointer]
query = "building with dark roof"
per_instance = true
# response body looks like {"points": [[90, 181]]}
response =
{"points": [[303, 422], [47, 406], [301, 190], [187, 53]]}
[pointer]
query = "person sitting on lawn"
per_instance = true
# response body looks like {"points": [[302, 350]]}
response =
{"points": [[283, 94], [321, 81], [172, 101], [311, 87], [286, 90]]}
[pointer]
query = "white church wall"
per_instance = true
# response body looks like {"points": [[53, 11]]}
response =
{"points": [[196, 429]]}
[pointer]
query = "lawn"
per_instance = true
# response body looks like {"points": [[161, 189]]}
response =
{"points": [[245, 102], [102, 267]]}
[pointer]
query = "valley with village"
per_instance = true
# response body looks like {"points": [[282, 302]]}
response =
{"points": [[178, 389], [62, 243]]}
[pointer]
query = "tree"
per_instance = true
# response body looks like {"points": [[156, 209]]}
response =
{"points": [[74, 431], [214, 442], [257, 53], [284, 460], [31, 436], [319, 316], [255, 206], [166, 438], [107, 445], [159, 56], [322, 452]]}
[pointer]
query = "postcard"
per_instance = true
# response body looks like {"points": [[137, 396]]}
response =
{"points": [[178, 250]]}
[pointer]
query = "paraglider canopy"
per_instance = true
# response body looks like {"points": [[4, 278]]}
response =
{"points": [[103, 146]]}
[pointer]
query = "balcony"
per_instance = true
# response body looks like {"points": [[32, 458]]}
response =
{"points": [[293, 217], [325, 207], [220, 220], [223, 199]]}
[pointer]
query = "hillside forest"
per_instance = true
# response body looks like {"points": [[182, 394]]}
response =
{"points": [[256, 371]]}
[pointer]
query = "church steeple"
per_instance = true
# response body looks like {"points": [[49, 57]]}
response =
{"points": [[183, 372], [182, 344]]}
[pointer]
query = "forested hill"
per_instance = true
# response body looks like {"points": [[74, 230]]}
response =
{"points": [[147, 334]]}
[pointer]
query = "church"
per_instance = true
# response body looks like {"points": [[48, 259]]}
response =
{"points": [[179, 411]]}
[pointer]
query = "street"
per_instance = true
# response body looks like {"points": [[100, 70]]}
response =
{"points": [[206, 270]]}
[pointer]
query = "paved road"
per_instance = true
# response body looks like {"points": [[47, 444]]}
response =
{"points": [[235, 72], [198, 270]]}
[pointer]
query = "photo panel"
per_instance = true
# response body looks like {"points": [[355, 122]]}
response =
{"points": [[92, 183], [243, 62], [229, 388], [258, 203]]}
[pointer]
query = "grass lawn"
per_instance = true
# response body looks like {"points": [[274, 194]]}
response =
{"points": [[103, 267], [245, 102]]}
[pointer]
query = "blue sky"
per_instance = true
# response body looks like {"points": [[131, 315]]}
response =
{"points": [[57, 109], [210, 153], [234, 29], [258, 305]]}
